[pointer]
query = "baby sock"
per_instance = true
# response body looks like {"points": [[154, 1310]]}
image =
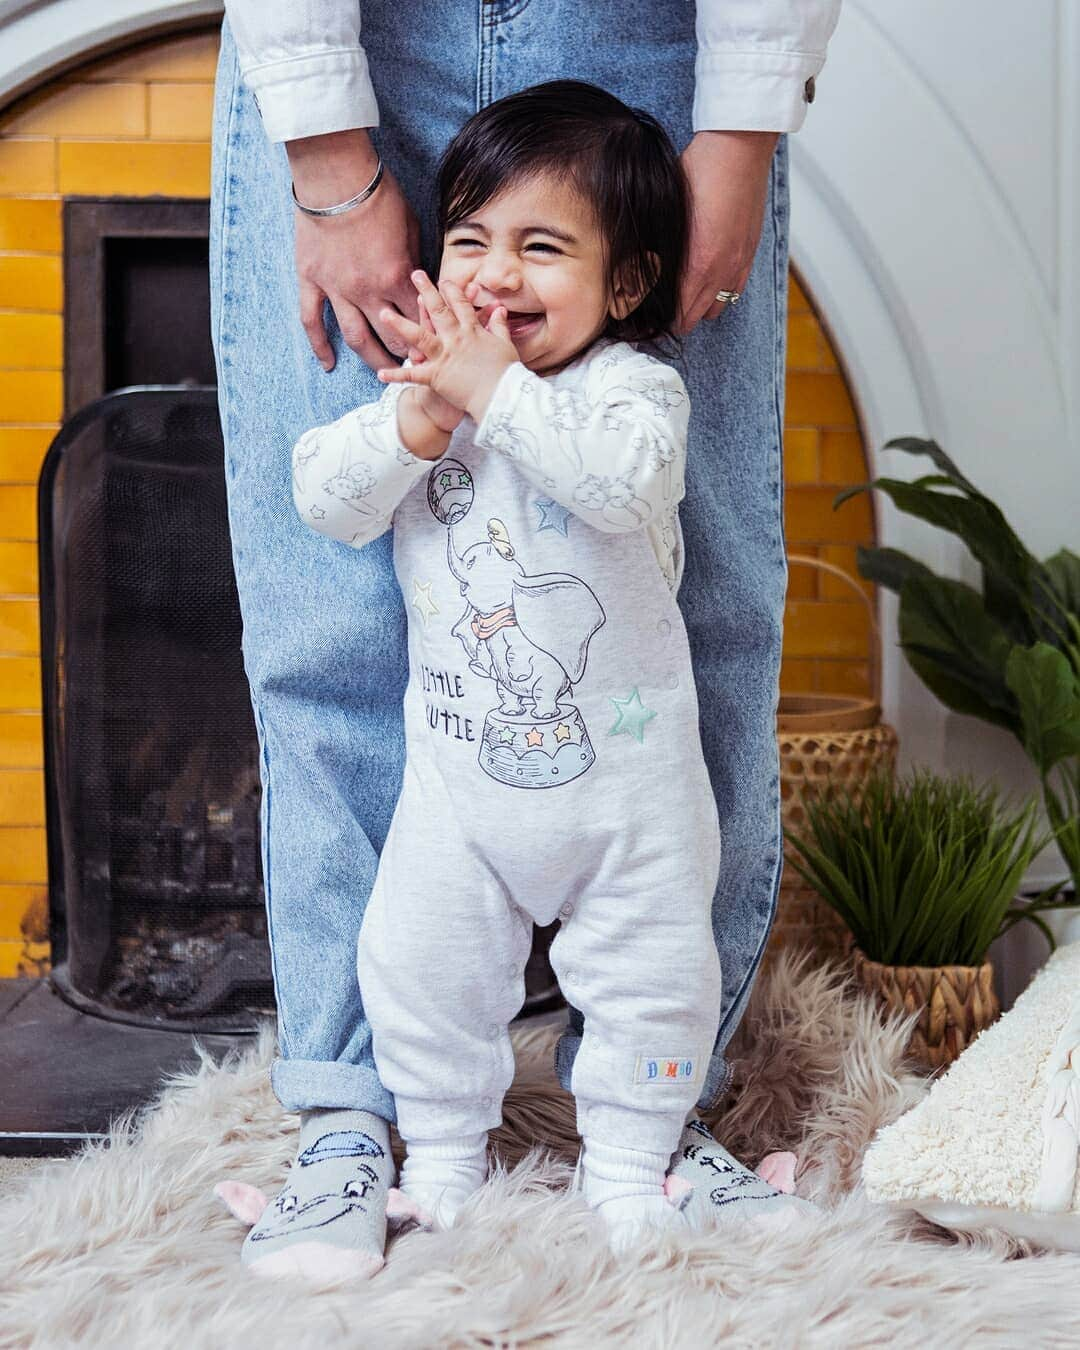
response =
{"points": [[626, 1188], [329, 1221], [439, 1175], [723, 1189]]}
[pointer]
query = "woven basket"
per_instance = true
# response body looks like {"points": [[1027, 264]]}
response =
{"points": [[823, 739], [954, 1004]]}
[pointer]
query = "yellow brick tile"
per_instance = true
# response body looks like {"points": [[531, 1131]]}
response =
{"points": [[822, 628], [135, 168], [181, 111], [801, 455], [20, 741], [20, 683], [192, 57], [796, 677], [18, 511], [31, 225], [842, 556], [843, 459], [31, 395], [11, 960], [82, 110], [22, 450], [31, 342], [810, 518], [19, 633], [22, 854], [21, 908], [26, 166], [802, 578], [845, 677], [804, 342], [18, 568], [22, 797], [797, 299], [818, 400], [31, 283]]}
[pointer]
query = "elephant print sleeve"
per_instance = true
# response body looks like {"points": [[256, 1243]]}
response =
{"points": [[613, 452], [349, 476]]}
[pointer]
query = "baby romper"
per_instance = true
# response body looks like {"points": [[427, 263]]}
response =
{"points": [[554, 766]]}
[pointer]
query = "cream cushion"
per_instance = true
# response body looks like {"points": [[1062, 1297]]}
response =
{"points": [[997, 1133]]}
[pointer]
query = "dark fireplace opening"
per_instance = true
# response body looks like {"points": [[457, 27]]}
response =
{"points": [[152, 761]]}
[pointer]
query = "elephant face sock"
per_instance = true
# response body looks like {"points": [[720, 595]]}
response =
{"points": [[713, 1188], [328, 1223]]}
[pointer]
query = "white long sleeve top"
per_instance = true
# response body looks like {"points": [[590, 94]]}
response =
{"points": [[604, 440], [756, 65]]}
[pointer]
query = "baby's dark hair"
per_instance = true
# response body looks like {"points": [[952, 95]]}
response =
{"points": [[619, 159]]}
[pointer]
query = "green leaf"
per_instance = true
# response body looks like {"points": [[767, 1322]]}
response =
{"points": [[913, 445], [957, 649], [1063, 569], [888, 567], [1048, 694]]}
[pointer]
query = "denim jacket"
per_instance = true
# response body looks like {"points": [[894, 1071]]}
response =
{"points": [[756, 64]]}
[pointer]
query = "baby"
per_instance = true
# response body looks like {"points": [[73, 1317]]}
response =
{"points": [[531, 462]]}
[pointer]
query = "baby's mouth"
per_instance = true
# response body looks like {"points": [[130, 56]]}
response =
{"points": [[521, 322]]}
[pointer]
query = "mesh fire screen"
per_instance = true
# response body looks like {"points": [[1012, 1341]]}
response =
{"points": [[151, 755]]}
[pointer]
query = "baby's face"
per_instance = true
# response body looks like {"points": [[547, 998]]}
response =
{"points": [[536, 249]]}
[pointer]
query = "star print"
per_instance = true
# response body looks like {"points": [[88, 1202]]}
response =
{"points": [[422, 600], [552, 516], [444, 479], [534, 738], [632, 716], [463, 480], [562, 732], [317, 513], [505, 736]]}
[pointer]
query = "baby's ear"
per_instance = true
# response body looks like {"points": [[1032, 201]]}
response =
{"points": [[632, 286]]}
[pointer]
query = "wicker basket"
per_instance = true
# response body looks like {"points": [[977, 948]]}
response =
{"points": [[954, 1004], [823, 738]]}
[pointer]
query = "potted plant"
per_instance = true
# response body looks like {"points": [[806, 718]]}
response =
{"points": [[1008, 653], [924, 871]]}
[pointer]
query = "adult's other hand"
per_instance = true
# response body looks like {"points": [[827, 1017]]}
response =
{"points": [[728, 174], [361, 260]]}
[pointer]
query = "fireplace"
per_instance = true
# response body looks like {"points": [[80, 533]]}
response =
{"points": [[152, 772]]}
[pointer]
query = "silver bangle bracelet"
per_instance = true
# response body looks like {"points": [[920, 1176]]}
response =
{"points": [[341, 206]]}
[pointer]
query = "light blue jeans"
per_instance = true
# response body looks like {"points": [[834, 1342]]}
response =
{"points": [[324, 625]]}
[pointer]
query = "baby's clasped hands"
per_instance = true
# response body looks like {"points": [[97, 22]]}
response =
{"points": [[462, 360]]}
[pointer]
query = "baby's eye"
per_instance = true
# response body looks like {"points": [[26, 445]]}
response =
{"points": [[465, 243], [545, 248]]}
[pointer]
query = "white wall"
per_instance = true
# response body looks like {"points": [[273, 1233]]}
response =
{"points": [[936, 219]]}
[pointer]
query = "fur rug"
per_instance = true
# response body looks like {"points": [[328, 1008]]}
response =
{"points": [[126, 1246]]}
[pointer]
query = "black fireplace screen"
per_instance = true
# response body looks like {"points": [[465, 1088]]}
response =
{"points": [[151, 756]]}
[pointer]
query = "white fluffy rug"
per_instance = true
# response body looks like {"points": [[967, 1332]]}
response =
{"points": [[125, 1246]]}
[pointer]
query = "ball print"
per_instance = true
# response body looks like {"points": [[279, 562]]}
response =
{"points": [[450, 491]]}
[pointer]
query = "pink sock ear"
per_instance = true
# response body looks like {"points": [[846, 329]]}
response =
{"points": [[400, 1208], [778, 1169], [678, 1191], [245, 1202]]}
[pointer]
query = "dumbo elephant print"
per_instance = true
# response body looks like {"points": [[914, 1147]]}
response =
{"points": [[529, 635]]}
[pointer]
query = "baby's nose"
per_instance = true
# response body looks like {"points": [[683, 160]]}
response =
{"points": [[498, 272]]}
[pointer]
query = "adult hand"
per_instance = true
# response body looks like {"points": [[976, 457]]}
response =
{"points": [[360, 261], [728, 174]]}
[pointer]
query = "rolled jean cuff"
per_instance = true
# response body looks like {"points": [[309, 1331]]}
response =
{"points": [[312, 1085]]}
